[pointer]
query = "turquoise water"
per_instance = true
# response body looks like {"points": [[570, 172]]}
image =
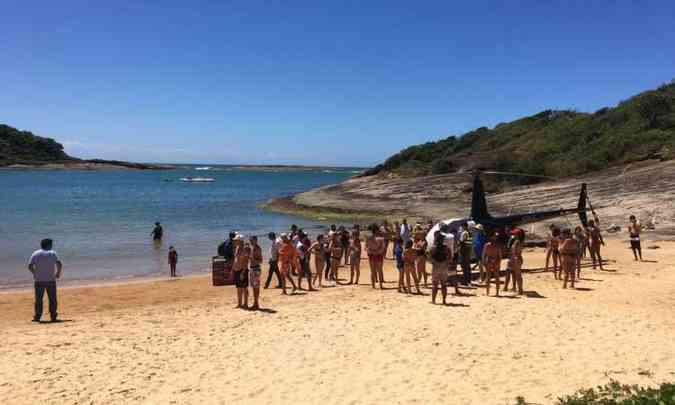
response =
{"points": [[101, 220]]}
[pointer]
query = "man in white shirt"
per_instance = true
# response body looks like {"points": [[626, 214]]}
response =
{"points": [[46, 268]]}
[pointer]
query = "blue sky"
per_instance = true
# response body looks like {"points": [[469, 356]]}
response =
{"points": [[336, 83]]}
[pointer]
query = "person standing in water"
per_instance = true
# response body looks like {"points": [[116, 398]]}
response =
{"points": [[157, 233], [173, 260], [46, 268], [255, 271], [634, 230]]}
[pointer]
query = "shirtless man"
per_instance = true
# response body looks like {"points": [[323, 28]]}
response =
{"points": [[634, 230], [242, 257], [288, 255], [552, 250], [596, 241], [335, 249], [375, 249], [492, 259], [255, 270], [354, 260], [568, 257]]}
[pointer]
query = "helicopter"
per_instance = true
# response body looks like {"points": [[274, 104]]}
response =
{"points": [[481, 215]]}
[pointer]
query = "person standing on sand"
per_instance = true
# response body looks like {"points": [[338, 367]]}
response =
{"points": [[409, 257], [287, 255], [404, 232], [552, 251], [492, 259], [420, 246], [596, 241], [375, 249], [304, 257], [580, 237], [439, 255], [255, 271], [335, 249], [46, 268], [400, 265], [516, 260], [157, 233], [274, 260], [478, 244], [568, 256], [465, 245], [173, 260], [354, 260], [242, 257], [318, 249], [634, 230]]}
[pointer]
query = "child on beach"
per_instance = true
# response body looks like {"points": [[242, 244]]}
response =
{"points": [[354, 260], [409, 256], [173, 260], [552, 251], [255, 270]]}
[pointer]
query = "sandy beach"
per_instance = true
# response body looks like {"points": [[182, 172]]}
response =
{"points": [[182, 341]]}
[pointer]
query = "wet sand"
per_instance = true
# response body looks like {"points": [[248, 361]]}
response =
{"points": [[182, 341]]}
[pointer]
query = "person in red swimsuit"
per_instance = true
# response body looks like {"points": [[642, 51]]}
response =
{"points": [[375, 249]]}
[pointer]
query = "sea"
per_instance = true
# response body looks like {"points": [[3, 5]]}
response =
{"points": [[101, 221]]}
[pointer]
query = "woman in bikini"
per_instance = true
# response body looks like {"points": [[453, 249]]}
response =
{"points": [[552, 251], [354, 261], [420, 247], [409, 257], [492, 258], [439, 255], [288, 255], [375, 249], [568, 256], [242, 256], [318, 250], [335, 249]]}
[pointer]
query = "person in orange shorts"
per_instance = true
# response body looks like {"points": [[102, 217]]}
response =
{"points": [[288, 255]]}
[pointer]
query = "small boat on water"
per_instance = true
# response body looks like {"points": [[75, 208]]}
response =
{"points": [[197, 179], [203, 168]]}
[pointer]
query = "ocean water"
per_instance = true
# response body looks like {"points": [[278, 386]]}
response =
{"points": [[101, 221]]}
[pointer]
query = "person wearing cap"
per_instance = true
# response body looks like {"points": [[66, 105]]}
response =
{"points": [[465, 244], [492, 259], [46, 268], [274, 260], [568, 257]]}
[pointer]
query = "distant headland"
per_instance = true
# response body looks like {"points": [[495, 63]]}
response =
{"points": [[25, 150]]}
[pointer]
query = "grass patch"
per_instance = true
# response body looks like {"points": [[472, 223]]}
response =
{"points": [[615, 393]]}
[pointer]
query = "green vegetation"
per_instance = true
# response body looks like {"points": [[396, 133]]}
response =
{"points": [[23, 147], [553, 143], [615, 393]]}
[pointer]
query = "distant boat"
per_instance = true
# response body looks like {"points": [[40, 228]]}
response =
{"points": [[197, 179], [203, 168]]}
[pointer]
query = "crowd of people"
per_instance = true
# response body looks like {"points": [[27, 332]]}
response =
{"points": [[294, 258]]}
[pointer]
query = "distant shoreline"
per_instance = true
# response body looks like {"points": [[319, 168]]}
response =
{"points": [[94, 164]]}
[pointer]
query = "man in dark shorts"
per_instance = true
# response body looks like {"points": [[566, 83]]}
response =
{"points": [[46, 268], [634, 230]]}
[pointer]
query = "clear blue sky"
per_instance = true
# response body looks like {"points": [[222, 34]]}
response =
{"points": [[315, 82]]}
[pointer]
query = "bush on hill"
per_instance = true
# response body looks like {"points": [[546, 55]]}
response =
{"points": [[24, 147], [553, 143]]}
